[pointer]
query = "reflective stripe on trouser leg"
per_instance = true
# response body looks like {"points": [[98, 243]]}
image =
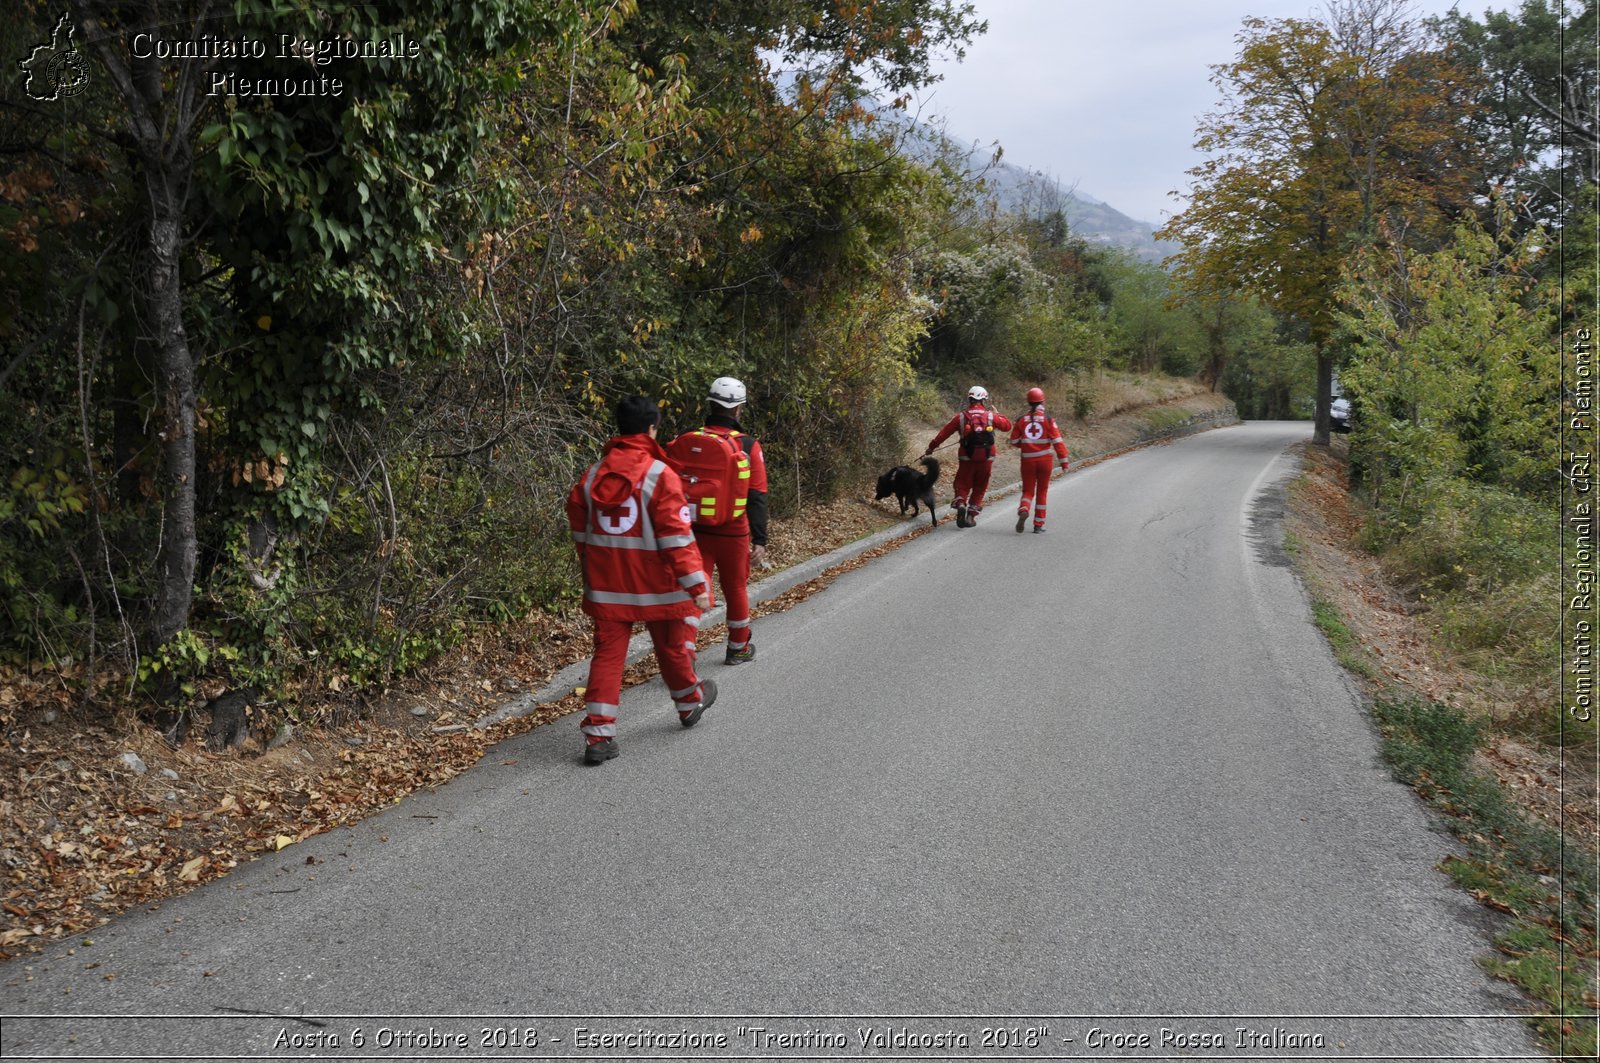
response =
{"points": [[738, 635], [675, 655], [600, 722], [604, 689]]}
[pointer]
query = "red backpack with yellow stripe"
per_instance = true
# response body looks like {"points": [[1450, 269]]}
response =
{"points": [[716, 474]]}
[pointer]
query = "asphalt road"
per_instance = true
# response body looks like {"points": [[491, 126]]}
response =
{"points": [[1098, 792]]}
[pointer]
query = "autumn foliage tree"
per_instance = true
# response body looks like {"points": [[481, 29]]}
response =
{"points": [[1332, 134]]}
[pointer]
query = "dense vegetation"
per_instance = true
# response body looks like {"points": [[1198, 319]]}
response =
{"points": [[295, 384]]}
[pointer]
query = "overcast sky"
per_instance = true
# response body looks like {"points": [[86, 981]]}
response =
{"points": [[1106, 95]]}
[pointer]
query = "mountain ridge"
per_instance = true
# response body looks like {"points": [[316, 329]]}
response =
{"points": [[1020, 190]]}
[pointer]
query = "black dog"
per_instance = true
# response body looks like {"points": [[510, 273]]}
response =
{"points": [[909, 486]]}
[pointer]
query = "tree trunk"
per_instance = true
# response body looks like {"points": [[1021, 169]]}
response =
{"points": [[1320, 432], [161, 116], [175, 562]]}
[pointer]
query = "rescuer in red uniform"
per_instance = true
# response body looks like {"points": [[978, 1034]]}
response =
{"points": [[1043, 449], [977, 425], [725, 475], [630, 524]]}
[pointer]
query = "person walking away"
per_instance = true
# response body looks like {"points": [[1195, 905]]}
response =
{"points": [[977, 425], [1039, 437], [630, 524], [725, 475]]}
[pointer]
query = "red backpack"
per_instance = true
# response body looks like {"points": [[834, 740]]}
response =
{"points": [[977, 429], [716, 474]]}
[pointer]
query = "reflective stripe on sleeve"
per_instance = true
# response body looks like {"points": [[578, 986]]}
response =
{"points": [[624, 542], [693, 579], [619, 598]]}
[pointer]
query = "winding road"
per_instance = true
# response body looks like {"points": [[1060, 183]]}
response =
{"points": [[1096, 793]]}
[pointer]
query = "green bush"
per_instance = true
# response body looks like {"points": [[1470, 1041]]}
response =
{"points": [[1455, 535], [1480, 559]]}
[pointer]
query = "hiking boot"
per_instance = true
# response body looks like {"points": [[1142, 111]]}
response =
{"points": [[601, 751], [961, 515], [708, 696], [972, 515], [1022, 521], [1038, 529], [744, 656]]}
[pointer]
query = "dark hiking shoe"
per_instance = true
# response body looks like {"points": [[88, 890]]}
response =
{"points": [[1037, 530], [1022, 521], [744, 656], [600, 752], [708, 697], [961, 515]]}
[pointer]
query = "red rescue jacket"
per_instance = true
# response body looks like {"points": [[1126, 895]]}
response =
{"points": [[1037, 433], [630, 523]]}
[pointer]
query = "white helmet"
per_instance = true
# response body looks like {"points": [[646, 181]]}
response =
{"points": [[727, 392], [978, 394]]}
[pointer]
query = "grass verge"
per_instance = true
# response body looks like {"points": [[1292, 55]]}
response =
{"points": [[1543, 882], [1345, 648]]}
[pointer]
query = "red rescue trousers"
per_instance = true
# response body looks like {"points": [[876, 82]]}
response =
{"points": [[726, 561], [1036, 486], [675, 653], [972, 477]]}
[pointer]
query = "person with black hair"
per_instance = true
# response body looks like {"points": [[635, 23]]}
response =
{"points": [[630, 523]]}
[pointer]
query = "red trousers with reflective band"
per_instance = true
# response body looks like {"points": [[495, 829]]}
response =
{"points": [[1036, 486], [972, 478], [675, 652], [725, 560]]}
